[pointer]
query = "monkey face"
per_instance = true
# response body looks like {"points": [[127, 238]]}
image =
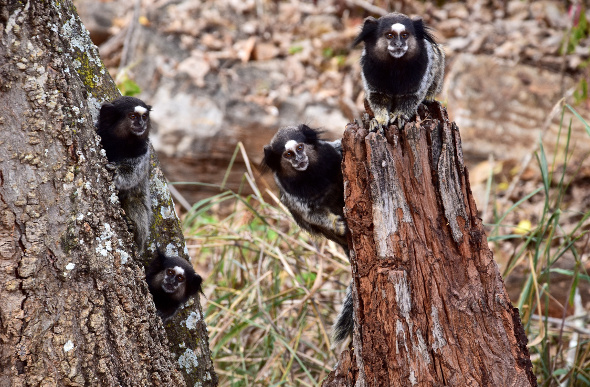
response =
{"points": [[393, 36], [138, 120], [174, 279], [397, 39], [295, 155]]}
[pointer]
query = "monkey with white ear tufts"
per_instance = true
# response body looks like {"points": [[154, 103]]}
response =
{"points": [[124, 127], [308, 173], [172, 281], [402, 66]]}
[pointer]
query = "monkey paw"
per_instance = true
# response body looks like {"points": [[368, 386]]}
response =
{"points": [[375, 125], [380, 122], [111, 166], [398, 119], [340, 226]]}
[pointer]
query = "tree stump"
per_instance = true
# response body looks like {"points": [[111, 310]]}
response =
{"points": [[430, 307]]}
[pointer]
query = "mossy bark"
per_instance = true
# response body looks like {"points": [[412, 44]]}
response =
{"points": [[430, 305], [75, 307]]}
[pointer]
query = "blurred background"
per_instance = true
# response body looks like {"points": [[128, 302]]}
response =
{"points": [[224, 75]]}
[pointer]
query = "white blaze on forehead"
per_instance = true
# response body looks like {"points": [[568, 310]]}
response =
{"points": [[290, 145], [398, 28], [178, 270], [140, 109]]}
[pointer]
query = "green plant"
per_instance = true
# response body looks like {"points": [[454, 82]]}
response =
{"points": [[552, 249]]}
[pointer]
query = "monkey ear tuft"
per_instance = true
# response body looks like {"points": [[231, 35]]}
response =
{"points": [[268, 161], [196, 284], [107, 106], [106, 109], [369, 27], [423, 32], [311, 135], [107, 117], [161, 256]]}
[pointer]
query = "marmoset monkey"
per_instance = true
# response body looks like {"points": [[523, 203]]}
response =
{"points": [[172, 281], [402, 66], [124, 127], [308, 173]]}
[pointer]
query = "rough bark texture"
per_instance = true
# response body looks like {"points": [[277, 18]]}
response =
{"points": [[75, 307], [430, 304]]}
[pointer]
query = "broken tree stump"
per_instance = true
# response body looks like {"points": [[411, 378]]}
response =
{"points": [[430, 305]]}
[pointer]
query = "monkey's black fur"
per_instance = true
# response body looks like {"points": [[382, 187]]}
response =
{"points": [[172, 281], [124, 126], [393, 77], [118, 142], [345, 322], [402, 65], [308, 172], [314, 196]]}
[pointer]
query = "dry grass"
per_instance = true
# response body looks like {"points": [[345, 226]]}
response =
{"points": [[273, 291]]}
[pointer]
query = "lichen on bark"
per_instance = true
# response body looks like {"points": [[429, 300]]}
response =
{"points": [[75, 294]]}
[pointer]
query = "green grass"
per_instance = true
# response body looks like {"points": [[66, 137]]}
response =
{"points": [[273, 291], [554, 250]]}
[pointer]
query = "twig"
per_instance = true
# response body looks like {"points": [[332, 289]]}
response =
{"points": [[128, 46], [491, 163], [178, 196], [367, 6], [529, 156], [568, 323]]}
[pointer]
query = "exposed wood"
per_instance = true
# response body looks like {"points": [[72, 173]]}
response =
{"points": [[75, 306], [430, 304]]}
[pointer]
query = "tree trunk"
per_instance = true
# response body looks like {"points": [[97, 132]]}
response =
{"points": [[75, 308], [429, 302]]}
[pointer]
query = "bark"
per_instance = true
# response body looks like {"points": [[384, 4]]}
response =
{"points": [[430, 304], [75, 307]]}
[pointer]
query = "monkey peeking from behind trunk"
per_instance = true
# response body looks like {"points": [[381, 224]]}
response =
{"points": [[124, 127], [308, 173], [172, 281]]}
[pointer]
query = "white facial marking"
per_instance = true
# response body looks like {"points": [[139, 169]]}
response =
{"points": [[290, 145], [140, 109], [178, 270], [398, 53], [398, 28]]}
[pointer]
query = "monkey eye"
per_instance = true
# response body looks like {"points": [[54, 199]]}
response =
{"points": [[299, 147], [180, 278], [389, 35], [405, 35], [144, 116], [288, 154], [132, 116], [169, 272]]}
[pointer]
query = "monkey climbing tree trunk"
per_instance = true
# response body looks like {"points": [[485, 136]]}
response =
{"points": [[430, 305], [74, 305]]}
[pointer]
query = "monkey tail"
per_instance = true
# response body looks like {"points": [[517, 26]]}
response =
{"points": [[345, 322]]}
